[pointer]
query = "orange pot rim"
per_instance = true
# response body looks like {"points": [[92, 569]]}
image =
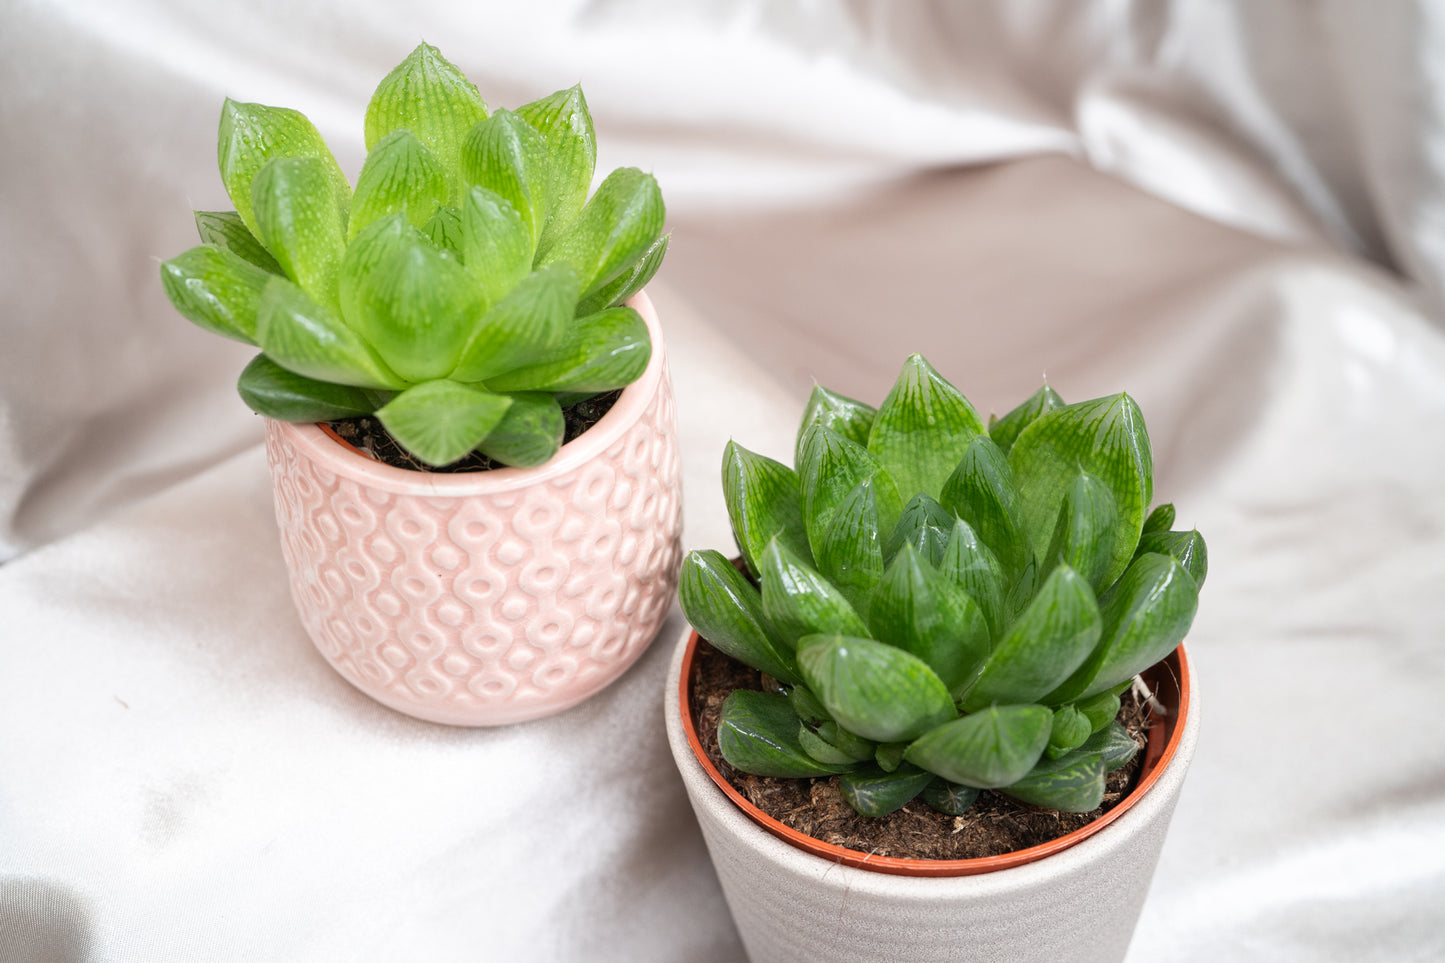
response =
{"points": [[1169, 680]]}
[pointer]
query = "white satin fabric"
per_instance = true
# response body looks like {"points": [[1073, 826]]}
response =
{"points": [[1235, 211]]}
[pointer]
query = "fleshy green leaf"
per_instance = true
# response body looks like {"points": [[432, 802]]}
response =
{"points": [[873, 689], [824, 749], [849, 418], [1161, 519], [1071, 728], [440, 421], [1100, 709], [616, 227], [763, 503], [496, 244], [415, 306], [983, 491], [524, 328], [797, 601], [301, 222], [921, 428], [801, 698], [400, 176], [925, 525], [529, 433], [1073, 783], [851, 553], [430, 97], [1146, 614], [728, 612], [305, 337], [949, 798], [1047, 643], [565, 124], [1104, 437], [629, 282], [1113, 744], [758, 733], [1084, 536], [987, 749], [1186, 548], [874, 792], [271, 390], [1004, 431], [226, 230], [597, 353], [889, 755], [830, 468], [922, 611], [444, 229], [217, 290], [970, 564], [507, 156], [253, 134]]}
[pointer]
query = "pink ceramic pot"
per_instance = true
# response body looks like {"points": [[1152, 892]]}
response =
{"points": [[490, 597]]}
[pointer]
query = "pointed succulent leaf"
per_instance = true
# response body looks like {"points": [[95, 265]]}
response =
{"points": [[1186, 548], [1113, 744], [1105, 437], [921, 427], [1161, 519], [414, 305], [975, 569], [728, 611], [616, 227], [851, 743], [1084, 535], [925, 525], [225, 229], [496, 243], [305, 337], [444, 229], [1146, 614], [851, 553], [984, 492], [873, 689], [400, 176], [1044, 646], [529, 433], [507, 156], [849, 418], [524, 328], [1099, 709], [301, 222], [987, 749], [271, 390], [430, 97], [830, 468], [842, 752], [763, 503], [629, 282], [889, 755], [217, 290], [565, 124], [949, 798], [804, 703], [1073, 783], [1004, 431], [1071, 728], [440, 421], [797, 601], [251, 135], [601, 352], [873, 792], [920, 610], [758, 733]]}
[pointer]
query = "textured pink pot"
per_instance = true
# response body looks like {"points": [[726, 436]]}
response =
{"points": [[490, 597]]}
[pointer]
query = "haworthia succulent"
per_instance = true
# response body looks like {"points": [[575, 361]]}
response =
{"points": [[994, 747], [758, 733], [763, 502], [920, 427], [875, 690], [728, 611], [1005, 431], [798, 601], [440, 421], [848, 417]]}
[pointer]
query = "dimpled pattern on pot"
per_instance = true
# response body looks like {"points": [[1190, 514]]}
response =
{"points": [[492, 597]]}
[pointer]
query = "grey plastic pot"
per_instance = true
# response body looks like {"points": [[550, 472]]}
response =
{"points": [[1079, 903]]}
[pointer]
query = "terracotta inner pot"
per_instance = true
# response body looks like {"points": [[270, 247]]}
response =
{"points": [[1170, 683]]}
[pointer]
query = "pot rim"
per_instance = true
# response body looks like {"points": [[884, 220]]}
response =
{"points": [[329, 451], [1169, 679]]}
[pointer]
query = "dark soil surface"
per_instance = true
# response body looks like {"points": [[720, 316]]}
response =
{"points": [[994, 825], [366, 433]]}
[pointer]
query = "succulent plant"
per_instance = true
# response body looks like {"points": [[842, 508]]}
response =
{"points": [[465, 292], [940, 607]]}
